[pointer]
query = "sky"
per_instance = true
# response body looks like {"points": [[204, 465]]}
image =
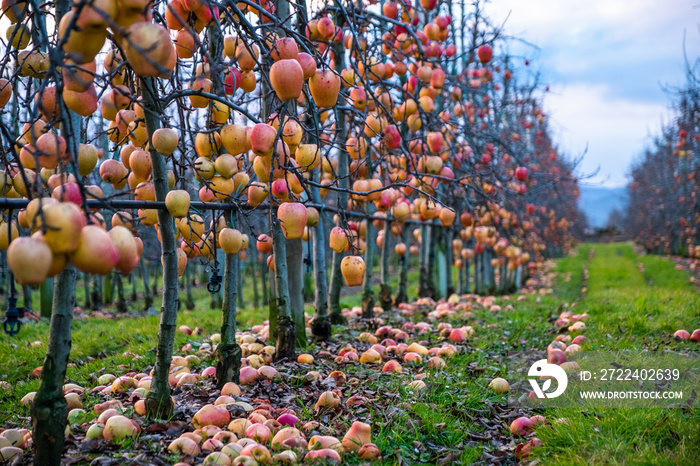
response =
{"points": [[607, 63]]}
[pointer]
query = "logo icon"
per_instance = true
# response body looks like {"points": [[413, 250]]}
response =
{"points": [[542, 368]]}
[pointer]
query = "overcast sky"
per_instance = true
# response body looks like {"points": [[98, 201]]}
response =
{"points": [[606, 62]]}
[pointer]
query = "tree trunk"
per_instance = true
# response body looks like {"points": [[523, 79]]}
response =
{"points": [[492, 274], [295, 282], [240, 283], [263, 279], [321, 326], [45, 297], [423, 285], [402, 296], [432, 291], [147, 297], [272, 304], [228, 352], [385, 287], [477, 273], [467, 285], [96, 299], [449, 260], [485, 272], [286, 328], [108, 288], [254, 275], [336, 285], [134, 288], [342, 172], [121, 301], [189, 301], [367, 291], [49, 409], [156, 276], [158, 402], [27, 297], [460, 279]]}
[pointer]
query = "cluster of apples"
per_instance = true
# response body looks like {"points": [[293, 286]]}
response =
{"points": [[60, 234], [12, 444], [685, 335], [268, 435], [263, 434]]}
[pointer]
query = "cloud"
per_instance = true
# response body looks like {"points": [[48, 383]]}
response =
{"points": [[607, 62], [614, 129]]}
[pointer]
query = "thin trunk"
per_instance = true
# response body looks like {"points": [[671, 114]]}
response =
{"points": [[213, 299], [263, 279], [402, 296], [134, 289], [431, 262], [46, 295], [96, 299], [342, 172], [295, 282], [467, 285], [308, 269], [254, 276], [460, 280], [367, 291], [385, 287], [272, 304], [477, 273], [6, 285], [156, 276], [286, 329], [49, 408], [108, 288], [147, 297], [4, 280], [189, 301], [158, 401], [27, 295], [321, 324], [448, 260], [240, 283], [492, 274], [321, 327], [423, 285], [121, 301], [486, 272], [228, 352]]}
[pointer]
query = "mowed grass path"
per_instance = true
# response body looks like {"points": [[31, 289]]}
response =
{"points": [[636, 303], [458, 420]]}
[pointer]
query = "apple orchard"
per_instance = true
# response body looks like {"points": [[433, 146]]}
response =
{"points": [[229, 133]]}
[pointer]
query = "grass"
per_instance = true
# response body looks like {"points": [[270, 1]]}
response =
{"points": [[635, 310], [458, 420]]}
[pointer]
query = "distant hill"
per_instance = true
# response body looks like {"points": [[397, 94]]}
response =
{"points": [[597, 202]]}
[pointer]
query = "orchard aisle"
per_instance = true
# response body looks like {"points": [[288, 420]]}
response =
{"points": [[635, 302], [413, 388]]}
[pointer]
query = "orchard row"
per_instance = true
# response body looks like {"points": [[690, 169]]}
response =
{"points": [[396, 118]]}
